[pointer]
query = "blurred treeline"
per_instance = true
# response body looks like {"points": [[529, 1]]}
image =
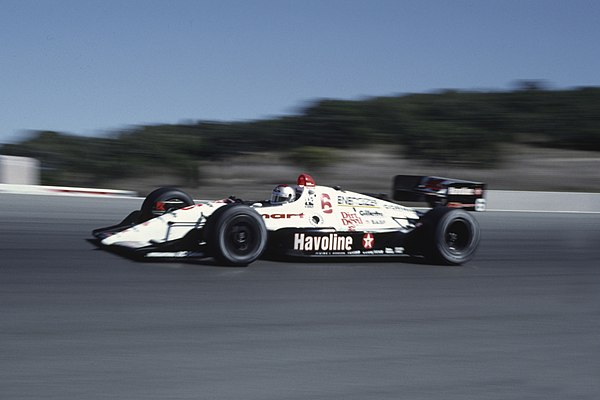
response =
{"points": [[449, 127]]}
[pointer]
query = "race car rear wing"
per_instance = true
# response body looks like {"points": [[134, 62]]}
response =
{"points": [[437, 191]]}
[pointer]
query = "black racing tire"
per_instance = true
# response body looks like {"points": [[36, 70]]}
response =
{"points": [[449, 236], [235, 235], [163, 200]]}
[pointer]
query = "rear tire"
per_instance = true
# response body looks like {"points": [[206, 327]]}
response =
{"points": [[162, 201], [448, 236], [236, 235]]}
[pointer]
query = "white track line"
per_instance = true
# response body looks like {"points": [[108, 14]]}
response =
{"points": [[543, 211]]}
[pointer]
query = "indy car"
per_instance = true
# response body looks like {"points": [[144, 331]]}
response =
{"points": [[306, 220]]}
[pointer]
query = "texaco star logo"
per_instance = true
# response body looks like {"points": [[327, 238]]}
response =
{"points": [[368, 241]]}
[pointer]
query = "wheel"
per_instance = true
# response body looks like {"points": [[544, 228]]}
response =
{"points": [[236, 235], [162, 201], [449, 236]]}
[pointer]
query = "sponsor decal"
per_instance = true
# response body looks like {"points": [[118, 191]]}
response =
{"points": [[395, 207], [368, 241], [310, 201], [353, 201], [463, 191], [369, 213], [351, 219], [373, 252], [331, 242], [282, 216]]}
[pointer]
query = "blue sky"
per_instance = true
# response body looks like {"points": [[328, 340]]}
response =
{"points": [[88, 67]]}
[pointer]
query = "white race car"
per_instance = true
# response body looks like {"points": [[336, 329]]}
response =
{"points": [[306, 220]]}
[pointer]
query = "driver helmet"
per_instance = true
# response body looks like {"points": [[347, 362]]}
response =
{"points": [[283, 194]]}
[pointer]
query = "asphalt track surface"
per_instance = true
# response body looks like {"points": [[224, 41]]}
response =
{"points": [[521, 321]]}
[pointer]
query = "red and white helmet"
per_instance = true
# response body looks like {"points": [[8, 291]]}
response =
{"points": [[283, 194]]}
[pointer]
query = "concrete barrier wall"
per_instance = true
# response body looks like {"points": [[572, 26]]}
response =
{"points": [[543, 201], [497, 200], [63, 191]]}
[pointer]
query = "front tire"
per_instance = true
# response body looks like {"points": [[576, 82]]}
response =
{"points": [[162, 201], [236, 235]]}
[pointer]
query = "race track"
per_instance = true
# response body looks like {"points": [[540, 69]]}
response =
{"points": [[521, 321]]}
